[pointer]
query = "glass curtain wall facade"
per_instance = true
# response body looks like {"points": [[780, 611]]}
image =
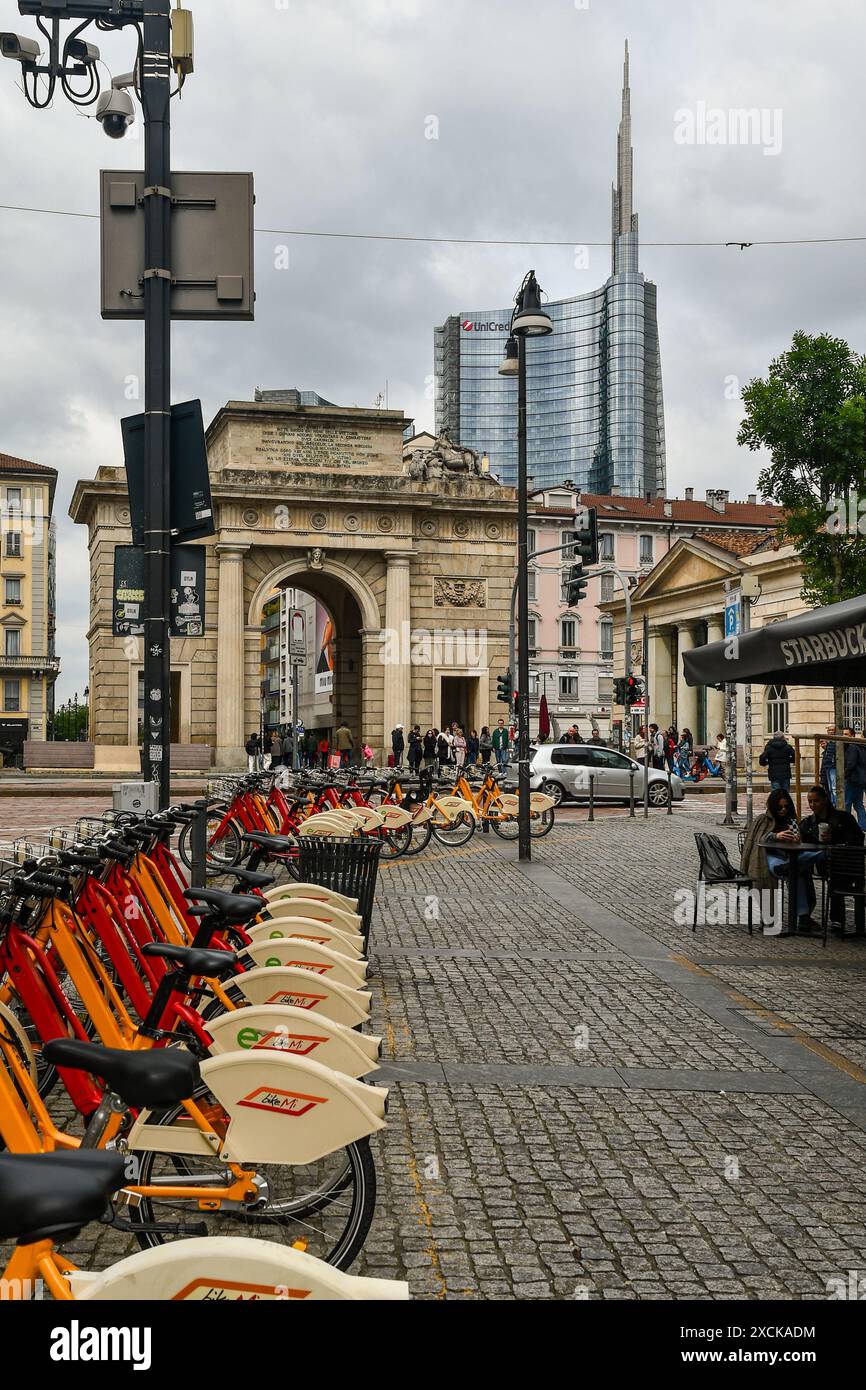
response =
{"points": [[594, 387]]}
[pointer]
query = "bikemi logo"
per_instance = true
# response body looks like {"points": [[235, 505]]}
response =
{"points": [[77, 1343]]}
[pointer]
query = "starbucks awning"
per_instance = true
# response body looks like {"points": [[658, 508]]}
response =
{"points": [[824, 646]]}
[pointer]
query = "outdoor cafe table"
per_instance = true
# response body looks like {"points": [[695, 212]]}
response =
{"points": [[791, 848]]}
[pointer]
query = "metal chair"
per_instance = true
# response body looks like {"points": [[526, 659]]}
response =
{"points": [[844, 879], [716, 868]]}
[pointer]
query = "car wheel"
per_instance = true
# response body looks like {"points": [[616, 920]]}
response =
{"points": [[555, 790], [658, 794]]}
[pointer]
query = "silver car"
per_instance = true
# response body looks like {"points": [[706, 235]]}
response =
{"points": [[563, 771]]}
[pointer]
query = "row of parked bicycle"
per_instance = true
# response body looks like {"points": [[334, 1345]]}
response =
{"points": [[212, 1042], [404, 812]]}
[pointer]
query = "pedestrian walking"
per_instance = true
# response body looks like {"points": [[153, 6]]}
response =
{"points": [[777, 757], [671, 741], [398, 744], [828, 764], [415, 750], [443, 750], [276, 749], [288, 749], [500, 745], [428, 745], [638, 744], [485, 745], [322, 749], [367, 755], [345, 742], [473, 744], [855, 779], [253, 750], [459, 749]]}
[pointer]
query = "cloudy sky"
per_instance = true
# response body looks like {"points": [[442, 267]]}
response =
{"points": [[332, 102]]}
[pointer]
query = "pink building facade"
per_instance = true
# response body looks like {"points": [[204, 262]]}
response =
{"points": [[571, 649]]}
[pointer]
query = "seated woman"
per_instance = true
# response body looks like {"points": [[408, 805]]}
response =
{"points": [[765, 867], [842, 829]]}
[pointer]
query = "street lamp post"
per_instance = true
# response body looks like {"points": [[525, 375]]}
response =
{"points": [[528, 320]]}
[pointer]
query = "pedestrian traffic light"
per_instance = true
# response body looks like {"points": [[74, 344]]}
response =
{"points": [[576, 585], [634, 691], [619, 690], [503, 688], [586, 534]]}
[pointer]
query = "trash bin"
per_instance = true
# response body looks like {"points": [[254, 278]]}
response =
{"points": [[345, 864]]}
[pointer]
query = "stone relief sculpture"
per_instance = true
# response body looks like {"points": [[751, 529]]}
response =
{"points": [[460, 593]]}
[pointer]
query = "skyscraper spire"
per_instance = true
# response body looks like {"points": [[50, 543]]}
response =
{"points": [[624, 219]]}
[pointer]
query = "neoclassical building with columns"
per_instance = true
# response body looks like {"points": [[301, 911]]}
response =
{"points": [[413, 563]]}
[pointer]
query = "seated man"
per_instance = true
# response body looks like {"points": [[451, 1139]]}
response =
{"points": [[843, 830]]}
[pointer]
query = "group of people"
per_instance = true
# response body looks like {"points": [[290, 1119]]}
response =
{"points": [[452, 747], [315, 749], [824, 826], [676, 751]]}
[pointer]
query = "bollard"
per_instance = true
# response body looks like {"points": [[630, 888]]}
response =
{"points": [[670, 795], [591, 796], [199, 846]]}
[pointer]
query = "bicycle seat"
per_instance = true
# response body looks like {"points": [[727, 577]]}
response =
{"points": [[279, 844], [251, 879], [155, 1079], [195, 960], [237, 907], [43, 1196]]}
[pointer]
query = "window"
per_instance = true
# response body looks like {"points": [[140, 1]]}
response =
{"points": [[531, 541], [13, 499], [605, 639], [607, 589], [569, 538], [532, 634], [646, 550], [855, 708], [12, 591], [568, 633], [568, 685], [604, 757], [777, 709], [532, 586], [570, 757], [11, 696], [13, 543], [13, 641], [605, 546]]}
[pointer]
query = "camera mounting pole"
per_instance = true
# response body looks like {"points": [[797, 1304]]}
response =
{"points": [[156, 100]]}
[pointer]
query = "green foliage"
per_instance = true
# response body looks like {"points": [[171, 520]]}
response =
{"points": [[810, 413]]}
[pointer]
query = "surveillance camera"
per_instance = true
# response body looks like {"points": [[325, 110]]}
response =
{"points": [[81, 52], [19, 49], [116, 112]]}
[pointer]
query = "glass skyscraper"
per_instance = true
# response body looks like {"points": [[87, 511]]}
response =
{"points": [[594, 386]]}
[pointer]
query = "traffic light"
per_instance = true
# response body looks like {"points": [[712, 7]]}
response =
{"points": [[634, 691], [503, 688], [619, 690], [576, 585], [586, 534]]}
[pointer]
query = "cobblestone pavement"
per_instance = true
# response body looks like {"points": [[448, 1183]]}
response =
{"points": [[588, 1100]]}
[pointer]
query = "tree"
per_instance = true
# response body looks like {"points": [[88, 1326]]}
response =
{"points": [[810, 413]]}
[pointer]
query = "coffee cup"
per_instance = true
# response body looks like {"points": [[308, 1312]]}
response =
{"points": [[824, 832]]}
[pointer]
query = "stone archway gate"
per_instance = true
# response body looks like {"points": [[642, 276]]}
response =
{"points": [[322, 498]]}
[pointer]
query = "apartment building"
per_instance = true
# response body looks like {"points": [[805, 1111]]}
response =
{"points": [[27, 602]]}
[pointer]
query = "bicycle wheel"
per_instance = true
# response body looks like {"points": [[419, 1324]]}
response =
{"points": [[328, 1204], [506, 828], [541, 823], [396, 842], [457, 832], [224, 847], [421, 837]]}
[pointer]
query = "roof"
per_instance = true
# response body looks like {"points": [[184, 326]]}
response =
{"points": [[737, 542], [10, 464], [619, 508]]}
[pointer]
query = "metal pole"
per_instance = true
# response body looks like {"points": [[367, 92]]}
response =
{"points": [[747, 732], [631, 793], [731, 740], [524, 842], [199, 845], [155, 85], [591, 815], [296, 752]]}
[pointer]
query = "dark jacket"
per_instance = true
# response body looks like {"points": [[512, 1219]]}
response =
{"points": [[777, 758], [429, 746], [855, 764], [828, 757], [844, 829], [398, 743], [253, 746]]}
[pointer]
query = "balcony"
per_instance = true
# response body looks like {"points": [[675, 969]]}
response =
{"points": [[48, 664]]}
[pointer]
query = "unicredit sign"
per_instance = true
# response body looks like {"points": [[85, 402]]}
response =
{"points": [[473, 326]]}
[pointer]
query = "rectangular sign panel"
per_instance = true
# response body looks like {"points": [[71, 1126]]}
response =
{"points": [[212, 255], [187, 612], [191, 506]]}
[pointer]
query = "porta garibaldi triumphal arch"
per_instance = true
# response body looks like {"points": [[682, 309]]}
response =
{"points": [[410, 547]]}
